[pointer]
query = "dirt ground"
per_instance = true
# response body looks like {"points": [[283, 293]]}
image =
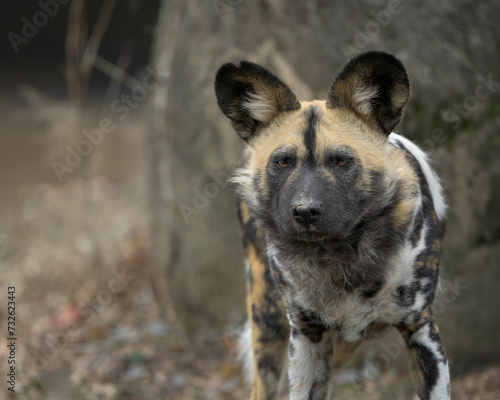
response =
{"points": [[87, 319]]}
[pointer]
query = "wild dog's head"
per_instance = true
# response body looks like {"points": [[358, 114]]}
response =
{"points": [[317, 169]]}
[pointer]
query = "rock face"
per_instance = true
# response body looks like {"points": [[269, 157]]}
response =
{"points": [[451, 50]]}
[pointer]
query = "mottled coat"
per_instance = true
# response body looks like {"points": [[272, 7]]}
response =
{"points": [[342, 222]]}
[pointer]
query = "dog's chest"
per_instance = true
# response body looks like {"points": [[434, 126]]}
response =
{"points": [[352, 313], [350, 303]]}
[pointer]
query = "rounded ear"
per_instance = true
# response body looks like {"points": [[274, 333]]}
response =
{"points": [[375, 86], [249, 95]]}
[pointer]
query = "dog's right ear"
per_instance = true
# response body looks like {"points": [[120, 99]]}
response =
{"points": [[251, 96]]}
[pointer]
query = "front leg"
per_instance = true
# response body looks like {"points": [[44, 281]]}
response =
{"points": [[428, 363], [309, 367]]}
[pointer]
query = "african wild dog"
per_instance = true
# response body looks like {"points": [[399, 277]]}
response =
{"points": [[343, 223]]}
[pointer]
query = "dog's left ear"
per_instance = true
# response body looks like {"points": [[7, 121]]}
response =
{"points": [[375, 87]]}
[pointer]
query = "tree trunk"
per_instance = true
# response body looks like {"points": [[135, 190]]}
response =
{"points": [[161, 148]]}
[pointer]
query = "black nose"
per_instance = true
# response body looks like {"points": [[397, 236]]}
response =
{"points": [[306, 213]]}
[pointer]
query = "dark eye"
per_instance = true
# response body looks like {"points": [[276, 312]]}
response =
{"points": [[283, 163], [342, 163]]}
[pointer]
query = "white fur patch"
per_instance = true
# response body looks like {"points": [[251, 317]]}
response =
{"points": [[432, 179], [361, 98], [242, 177], [308, 366], [245, 353], [441, 389], [259, 106]]}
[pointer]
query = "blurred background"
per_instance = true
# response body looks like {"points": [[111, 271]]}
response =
{"points": [[118, 226]]}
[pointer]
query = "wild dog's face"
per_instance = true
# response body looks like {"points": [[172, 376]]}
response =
{"points": [[320, 169]]}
